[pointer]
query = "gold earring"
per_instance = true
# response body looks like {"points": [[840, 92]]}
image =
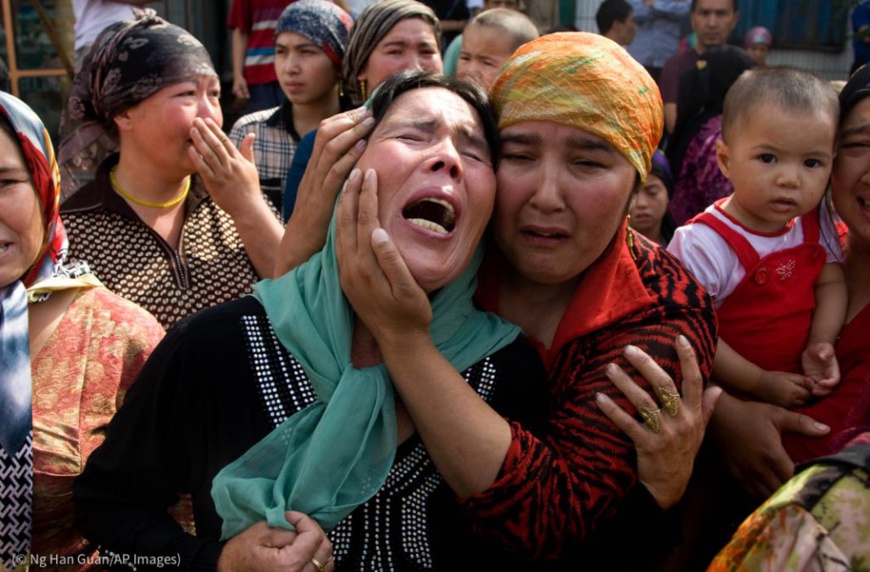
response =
{"points": [[362, 90], [340, 89], [629, 235]]}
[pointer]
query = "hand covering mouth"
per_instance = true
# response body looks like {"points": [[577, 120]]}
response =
{"points": [[432, 214]]}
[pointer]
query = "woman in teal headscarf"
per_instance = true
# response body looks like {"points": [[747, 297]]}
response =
{"points": [[278, 402]]}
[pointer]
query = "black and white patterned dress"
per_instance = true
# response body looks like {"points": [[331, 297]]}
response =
{"points": [[215, 386]]}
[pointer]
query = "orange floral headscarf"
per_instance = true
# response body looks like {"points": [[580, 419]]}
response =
{"points": [[586, 81]]}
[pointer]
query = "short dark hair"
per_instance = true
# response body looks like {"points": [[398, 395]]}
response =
{"points": [[695, 4], [512, 24], [790, 88], [611, 11], [409, 80]]}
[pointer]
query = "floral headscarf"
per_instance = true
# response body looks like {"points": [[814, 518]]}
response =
{"points": [[369, 28], [16, 460], [322, 22], [587, 81], [130, 61]]}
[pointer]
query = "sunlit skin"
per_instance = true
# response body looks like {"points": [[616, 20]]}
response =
{"points": [[21, 225], [433, 146], [562, 195], [306, 74], [713, 21], [409, 45], [157, 130], [779, 161], [851, 176], [649, 208], [484, 51]]}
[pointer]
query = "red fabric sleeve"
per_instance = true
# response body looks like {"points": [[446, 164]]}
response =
{"points": [[553, 490]]}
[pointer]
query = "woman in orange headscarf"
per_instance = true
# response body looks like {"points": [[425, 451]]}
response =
{"points": [[579, 123]]}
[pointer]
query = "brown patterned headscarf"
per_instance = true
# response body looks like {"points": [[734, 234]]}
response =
{"points": [[586, 81], [370, 27], [129, 62]]}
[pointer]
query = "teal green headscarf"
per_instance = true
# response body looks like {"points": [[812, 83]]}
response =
{"points": [[335, 454]]}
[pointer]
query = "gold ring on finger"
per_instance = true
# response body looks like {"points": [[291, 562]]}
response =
{"points": [[651, 418], [669, 399], [320, 567]]}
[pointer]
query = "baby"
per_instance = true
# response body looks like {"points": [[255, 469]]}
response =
{"points": [[769, 253], [489, 40]]}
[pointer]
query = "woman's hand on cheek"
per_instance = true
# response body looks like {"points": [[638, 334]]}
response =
{"points": [[338, 145], [374, 275], [230, 175]]}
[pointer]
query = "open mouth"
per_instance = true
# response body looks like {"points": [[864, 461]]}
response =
{"points": [[432, 214]]}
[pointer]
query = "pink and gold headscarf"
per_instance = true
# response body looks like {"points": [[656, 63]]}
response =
{"points": [[586, 81]]}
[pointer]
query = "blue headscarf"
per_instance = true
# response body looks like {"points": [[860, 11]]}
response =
{"points": [[322, 22]]}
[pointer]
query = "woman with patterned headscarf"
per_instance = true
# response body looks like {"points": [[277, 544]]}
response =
{"points": [[310, 41], [579, 121], [389, 36], [146, 224], [70, 350], [279, 401]]}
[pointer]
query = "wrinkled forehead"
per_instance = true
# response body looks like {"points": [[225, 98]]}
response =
{"points": [[565, 136], [432, 108]]}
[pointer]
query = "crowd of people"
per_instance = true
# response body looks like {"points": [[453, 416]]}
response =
{"points": [[552, 306]]}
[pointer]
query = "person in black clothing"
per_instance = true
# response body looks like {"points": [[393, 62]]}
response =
{"points": [[227, 379]]}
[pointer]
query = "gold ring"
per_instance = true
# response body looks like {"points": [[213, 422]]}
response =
{"points": [[320, 567], [669, 399], [651, 418]]}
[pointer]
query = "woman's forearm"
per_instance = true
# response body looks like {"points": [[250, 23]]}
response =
{"points": [[465, 437]]}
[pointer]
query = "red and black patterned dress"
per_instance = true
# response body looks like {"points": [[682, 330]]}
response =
{"points": [[557, 488]]}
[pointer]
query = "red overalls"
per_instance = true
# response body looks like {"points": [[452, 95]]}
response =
{"points": [[767, 318]]}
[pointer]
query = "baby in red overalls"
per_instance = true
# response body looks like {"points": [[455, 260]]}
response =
{"points": [[769, 253]]}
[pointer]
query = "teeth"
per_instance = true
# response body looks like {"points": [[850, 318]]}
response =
{"points": [[428, 224], [443, 203], [433, 214]]}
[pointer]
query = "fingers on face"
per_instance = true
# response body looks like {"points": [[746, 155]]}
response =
{"points": [[368, 209], [337, 135], [202, 166], [348, 212], [212, 139]]}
